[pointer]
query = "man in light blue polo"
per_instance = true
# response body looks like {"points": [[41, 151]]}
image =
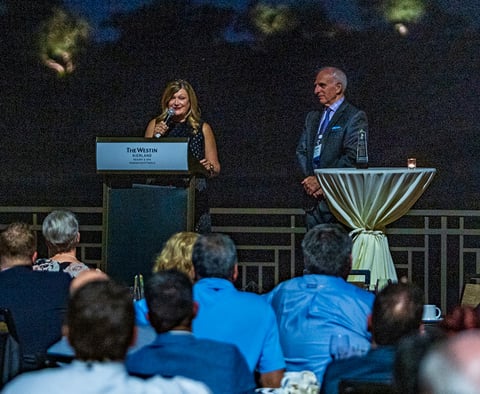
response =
{"points": [[319, 304], [226, 314]]}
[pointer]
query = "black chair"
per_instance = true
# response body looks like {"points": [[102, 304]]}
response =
{"points": [[365, 387], [10, 350]]}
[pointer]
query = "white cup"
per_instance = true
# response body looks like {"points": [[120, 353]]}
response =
{"points": [[431, 312]]}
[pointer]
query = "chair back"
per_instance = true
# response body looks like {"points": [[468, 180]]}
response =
{"points": [[10, 350]]}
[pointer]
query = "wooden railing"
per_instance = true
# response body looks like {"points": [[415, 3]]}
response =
{"points": [[437, 249]]}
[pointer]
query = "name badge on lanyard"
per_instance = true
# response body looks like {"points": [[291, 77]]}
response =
{"points": [[316, 151]]}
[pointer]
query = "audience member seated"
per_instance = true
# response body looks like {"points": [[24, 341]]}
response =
{"points": [[37, 300], [85, 277], [100, 327], [313, 307], [176, 351], [452, 367], [176, 254], [60, 230], [410, 352], [229, 315], [62, 352], [397, 312]]}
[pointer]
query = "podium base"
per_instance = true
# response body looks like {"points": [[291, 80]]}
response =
{"points": [[139, 221]]}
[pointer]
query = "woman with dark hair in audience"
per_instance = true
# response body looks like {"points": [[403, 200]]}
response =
{"points": [[61, 232], [181, 117]]}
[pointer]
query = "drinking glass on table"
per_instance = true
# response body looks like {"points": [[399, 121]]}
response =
{"points": [[339, 346]]}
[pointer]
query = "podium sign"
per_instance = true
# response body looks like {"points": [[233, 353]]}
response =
{"points": [[138, 155]]}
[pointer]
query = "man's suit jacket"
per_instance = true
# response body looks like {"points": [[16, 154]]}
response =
{"points": [[38, 302], [219, 365], [339, 142]]}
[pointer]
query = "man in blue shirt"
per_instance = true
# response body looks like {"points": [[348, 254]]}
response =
{"points": [[397, 312], [319, 304], [228, 315], [176, 351]]}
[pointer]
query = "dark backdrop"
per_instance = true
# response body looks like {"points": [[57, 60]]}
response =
{"points": [[419, 93]]}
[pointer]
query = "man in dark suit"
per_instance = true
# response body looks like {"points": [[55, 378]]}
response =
{"points": [[329, 140], [176, 351], [397, 313], [37, 299]]}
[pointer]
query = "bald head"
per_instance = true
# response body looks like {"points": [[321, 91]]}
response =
{"points": [[85, 277], [329, 85], [337, 74]]}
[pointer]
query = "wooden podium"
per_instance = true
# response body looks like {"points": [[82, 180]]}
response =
{"points": [[148, 195]]}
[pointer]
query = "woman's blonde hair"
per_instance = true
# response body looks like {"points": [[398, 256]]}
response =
{"points": [[193, 115], [177, 253]]}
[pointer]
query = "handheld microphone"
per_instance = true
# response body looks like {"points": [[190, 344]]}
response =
{"points": [[170, 113]]}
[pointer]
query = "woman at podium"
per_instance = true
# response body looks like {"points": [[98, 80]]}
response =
{"points": [[180, 117]]}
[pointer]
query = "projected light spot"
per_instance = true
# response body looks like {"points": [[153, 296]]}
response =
{"points": [[273, 19], [61, 37], [404, 10]]}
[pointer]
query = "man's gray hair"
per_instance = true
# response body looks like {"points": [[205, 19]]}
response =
{"points": [[327, 250], [214, 256], [337, 74]]}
